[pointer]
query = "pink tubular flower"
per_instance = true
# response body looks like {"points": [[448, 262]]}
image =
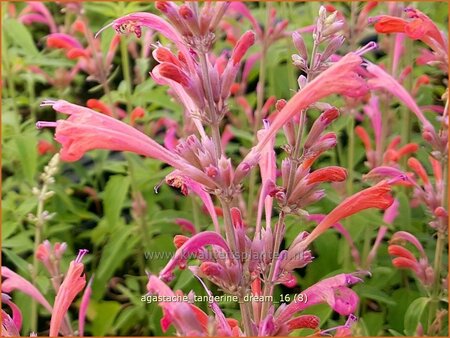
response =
{"points": [[10, 326], [72, 285], [83, 307], [177, 313], [15, 282], [86, 130], [334, 290], [36, 11], [340, 78], [192, 246], [382, 80]]}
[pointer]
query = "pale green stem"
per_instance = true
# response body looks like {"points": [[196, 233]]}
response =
{"points": [[126, 72]]}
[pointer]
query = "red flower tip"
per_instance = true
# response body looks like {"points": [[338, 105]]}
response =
{"points": [[330, 115], [179, 240], [417, 167], [304, 322], [99, 106], [137, 113], [404, 263], [58, 42], [364, 136], [390, 24], [236, 218], [407, 149], [330, 8], [210, 269], [75, 53], [328, 174], [163, 54], [162, 6], [45, 147], [174, 73], [397, 250], [244, 43], [280, 104], [79, 26], [185, 12], [235, 87]]}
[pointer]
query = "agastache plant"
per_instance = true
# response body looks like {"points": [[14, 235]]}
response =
{"points": [[238, 263], [246, 253]]}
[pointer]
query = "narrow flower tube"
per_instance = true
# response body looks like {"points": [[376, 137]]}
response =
{"points": [[195, 243], [72, 285], [341, 78], [333, 290], [86, 130], [83, 307], [374, 197]]}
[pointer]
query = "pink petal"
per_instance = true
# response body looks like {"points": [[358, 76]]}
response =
{"points": [[83, 307], [195, 243], [17, 282]]}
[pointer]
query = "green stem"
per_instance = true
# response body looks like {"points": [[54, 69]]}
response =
{"points": [[126, 72], [140, 219], [37, 240], [351, 155]]}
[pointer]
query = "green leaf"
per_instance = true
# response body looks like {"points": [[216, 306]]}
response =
{"points": [[20, 36], [373, 293], [19, 262], [114, 253], [114, 197], [27, 153], [414, 314], [106, 312]]}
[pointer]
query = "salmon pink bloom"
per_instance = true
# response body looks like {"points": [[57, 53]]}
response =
{"points": [[341, 78], [86, 130], [83, 307], [377, 196], [405, 259], [187, 319], [192, 246], [72, 285], [36, 11], [334, 290]]}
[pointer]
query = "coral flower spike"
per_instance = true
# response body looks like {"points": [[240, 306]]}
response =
{"points": [[70, 287]]}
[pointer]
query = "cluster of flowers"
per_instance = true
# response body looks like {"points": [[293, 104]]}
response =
{"points": [[240, 261]]}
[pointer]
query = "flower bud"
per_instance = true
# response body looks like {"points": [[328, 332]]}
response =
{"points": [[299, 44]]}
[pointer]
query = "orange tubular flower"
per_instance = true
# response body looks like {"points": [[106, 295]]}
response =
{"points": [[374, 197], [421, 27]]}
